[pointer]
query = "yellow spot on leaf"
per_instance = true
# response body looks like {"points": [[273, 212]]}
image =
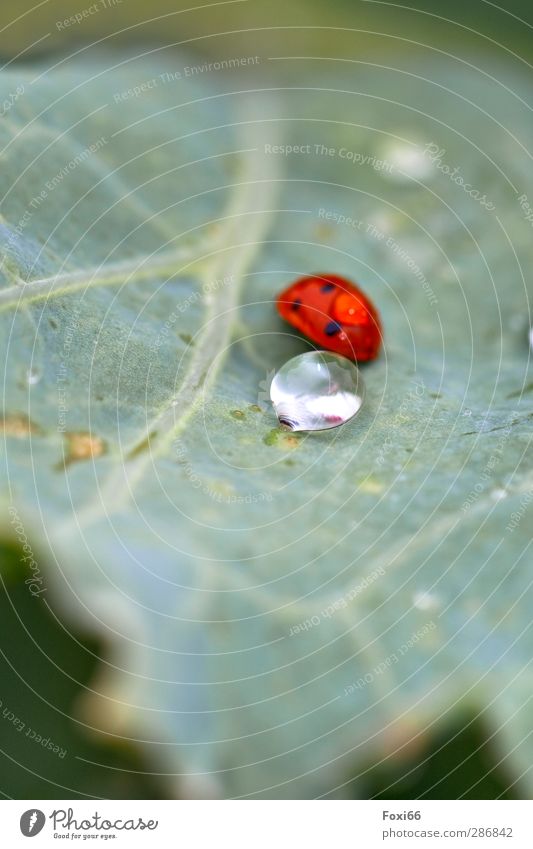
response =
{"points": [[221, 488], [372, 487], [324, 232], [18, 425], [289, 441], [83, 446]]}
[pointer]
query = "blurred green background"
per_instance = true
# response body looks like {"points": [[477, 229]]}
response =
{"points": [[57, 666], [497, 30]]}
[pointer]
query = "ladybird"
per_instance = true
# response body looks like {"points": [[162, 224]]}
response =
{"points": [[333, 313]]}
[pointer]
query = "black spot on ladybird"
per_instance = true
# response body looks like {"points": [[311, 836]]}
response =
{"points": [[332, 328], [327, 287], [296, 304]]}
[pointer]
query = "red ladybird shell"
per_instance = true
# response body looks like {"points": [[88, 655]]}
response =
{"points": [[333, 313]]}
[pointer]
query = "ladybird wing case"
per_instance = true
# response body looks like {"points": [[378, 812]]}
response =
{"points": [[333, 313]]}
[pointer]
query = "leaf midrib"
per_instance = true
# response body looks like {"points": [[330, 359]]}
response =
{"points": [[206, 361]]}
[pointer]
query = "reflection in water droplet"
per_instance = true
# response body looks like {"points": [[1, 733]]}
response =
{"points": [[316, 391], [33, 376]]}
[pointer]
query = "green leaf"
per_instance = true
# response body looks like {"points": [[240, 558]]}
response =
{"points": [[279, 608]]}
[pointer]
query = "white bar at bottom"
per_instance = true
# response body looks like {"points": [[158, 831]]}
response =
{"points": [[268, 824]]}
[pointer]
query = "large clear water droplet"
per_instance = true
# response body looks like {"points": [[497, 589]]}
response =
{"points": [[316, 391]]}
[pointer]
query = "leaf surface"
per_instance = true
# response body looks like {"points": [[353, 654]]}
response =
{"points": [[279, 608]]}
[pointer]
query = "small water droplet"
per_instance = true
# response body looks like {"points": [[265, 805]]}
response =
{"points": [[425, 601], [33, 376], [498, 494], [317, 391], [407, 161]]}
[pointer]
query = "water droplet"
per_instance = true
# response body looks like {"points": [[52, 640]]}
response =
{"points": [[316, 391], [425, 601], [33, 376], [498, 494], [406, 162]]}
